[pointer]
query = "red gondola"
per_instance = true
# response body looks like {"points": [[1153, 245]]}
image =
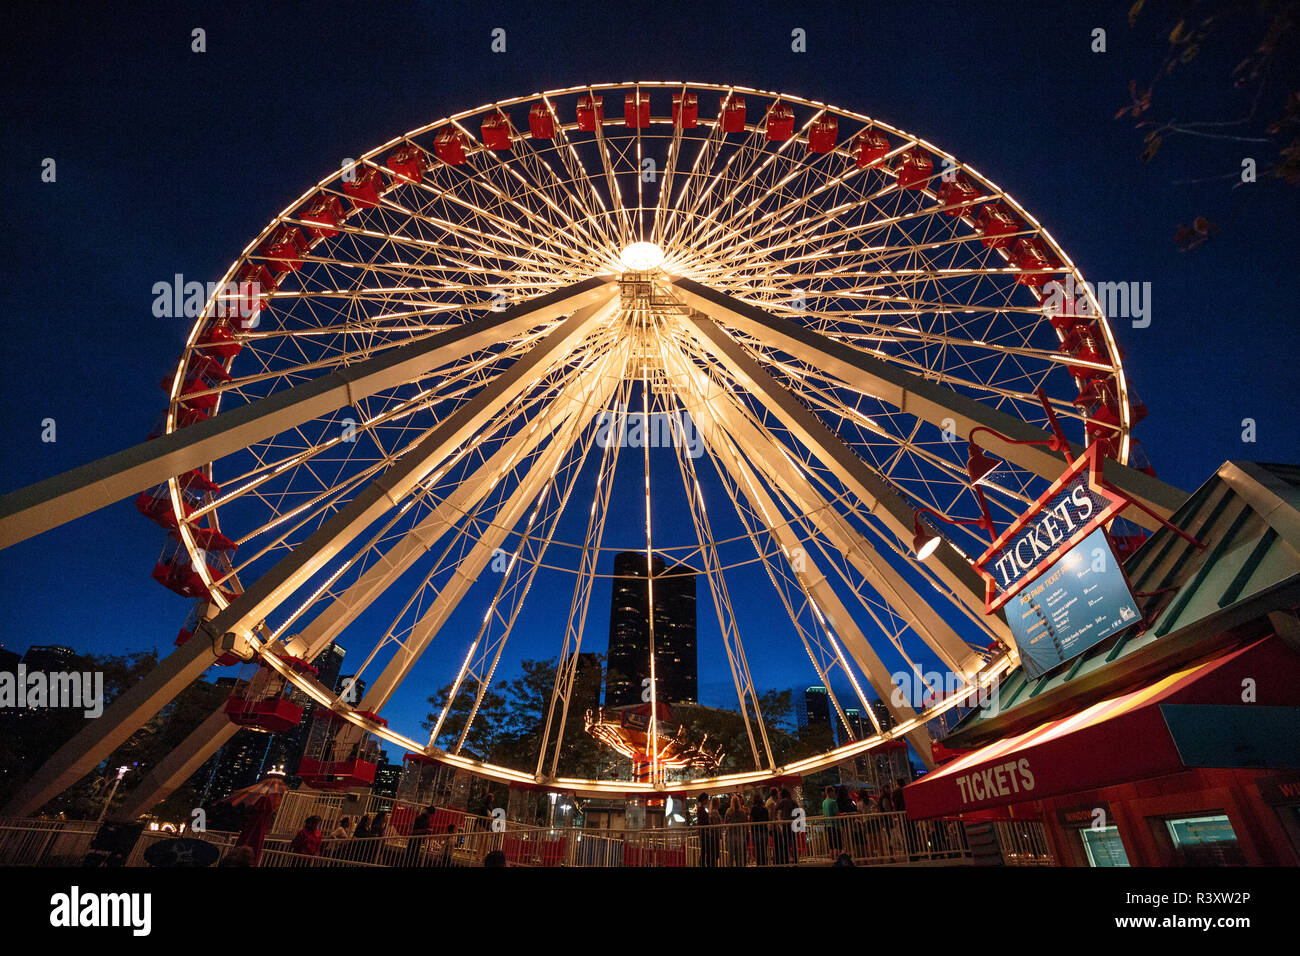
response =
{"points": [[591, 110], [218, 340], [686, 110], [264, 702], [541, 121], [732, 110], [156, 505], [914, 169], [495, 130], [407, 163], [636, 110], [1029, 253], [284, 248], [957, 194], [995, 224], [176, 572], [780, 123], [449, 144], [823, 134], [869, 148], [365, 189], [323, 216], [339, 754]]}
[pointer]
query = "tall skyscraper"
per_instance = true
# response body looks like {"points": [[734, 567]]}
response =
{"points": [[815, 715], [628, 663], [49, 657], [586, 684]]}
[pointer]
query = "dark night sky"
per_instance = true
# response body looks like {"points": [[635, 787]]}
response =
{"points": [[170, 161]]}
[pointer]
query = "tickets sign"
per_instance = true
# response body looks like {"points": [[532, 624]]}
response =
{"points": [[1077, 504]]}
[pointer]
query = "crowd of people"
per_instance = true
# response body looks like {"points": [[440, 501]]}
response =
{"points": [[360, 843], [761, 828], [735, 829]]}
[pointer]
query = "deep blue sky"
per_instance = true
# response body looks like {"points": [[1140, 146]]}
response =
{"points": [[169, 161]]}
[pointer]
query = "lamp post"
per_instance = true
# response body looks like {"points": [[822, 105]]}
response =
{"points": [[121, 772]]}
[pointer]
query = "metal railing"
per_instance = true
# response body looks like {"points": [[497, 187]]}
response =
{"points": [[867, 839], [1023, 843]]}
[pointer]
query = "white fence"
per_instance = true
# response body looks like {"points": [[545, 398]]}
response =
{"points": [[866, 839]]}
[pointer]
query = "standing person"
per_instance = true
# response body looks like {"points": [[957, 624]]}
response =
{"points": [[773, 798], [846, 808], [448, 845], [338, 839], [737, 835], [702, 821], [420, 828], [910, 837], [378, 830], [306, 842], [786, 849], [829, 808], [362, 832], [715, 831], [760, 831]]}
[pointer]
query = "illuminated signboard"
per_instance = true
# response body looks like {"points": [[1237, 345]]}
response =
{"points": [[1076, 505], [1084, 598]]}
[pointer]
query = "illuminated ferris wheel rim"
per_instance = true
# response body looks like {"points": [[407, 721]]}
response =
{"points": [[614, 253], [612, 120]]}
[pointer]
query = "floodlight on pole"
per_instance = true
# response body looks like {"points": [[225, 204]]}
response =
{"points": [[925, 542]]}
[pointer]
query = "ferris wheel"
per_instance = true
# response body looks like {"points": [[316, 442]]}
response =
{"points": [[422, 358]]}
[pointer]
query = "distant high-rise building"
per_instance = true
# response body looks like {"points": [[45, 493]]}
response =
{"points": [[50, 657], [9, 661], [628, 662], [817, 709], [586, 684], [387, 776], [883, 716], [240, 763], [329, 664], [859, 727]]}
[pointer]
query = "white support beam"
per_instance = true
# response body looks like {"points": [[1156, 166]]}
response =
{"points": [[216, 729], [771, 460], [876, 494], [390, 488], [231, 629], [815, 584], [332, 621], [914, 395], [441, 607], [54, 501]]}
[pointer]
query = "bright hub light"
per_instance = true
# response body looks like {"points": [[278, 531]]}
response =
{"points": [[641, 257]]}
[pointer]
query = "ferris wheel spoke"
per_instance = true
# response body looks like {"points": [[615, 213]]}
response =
{"points": [[812, 583], [508, 516], [774, 461], [746, 695], [485, 646], [566, 672]]}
